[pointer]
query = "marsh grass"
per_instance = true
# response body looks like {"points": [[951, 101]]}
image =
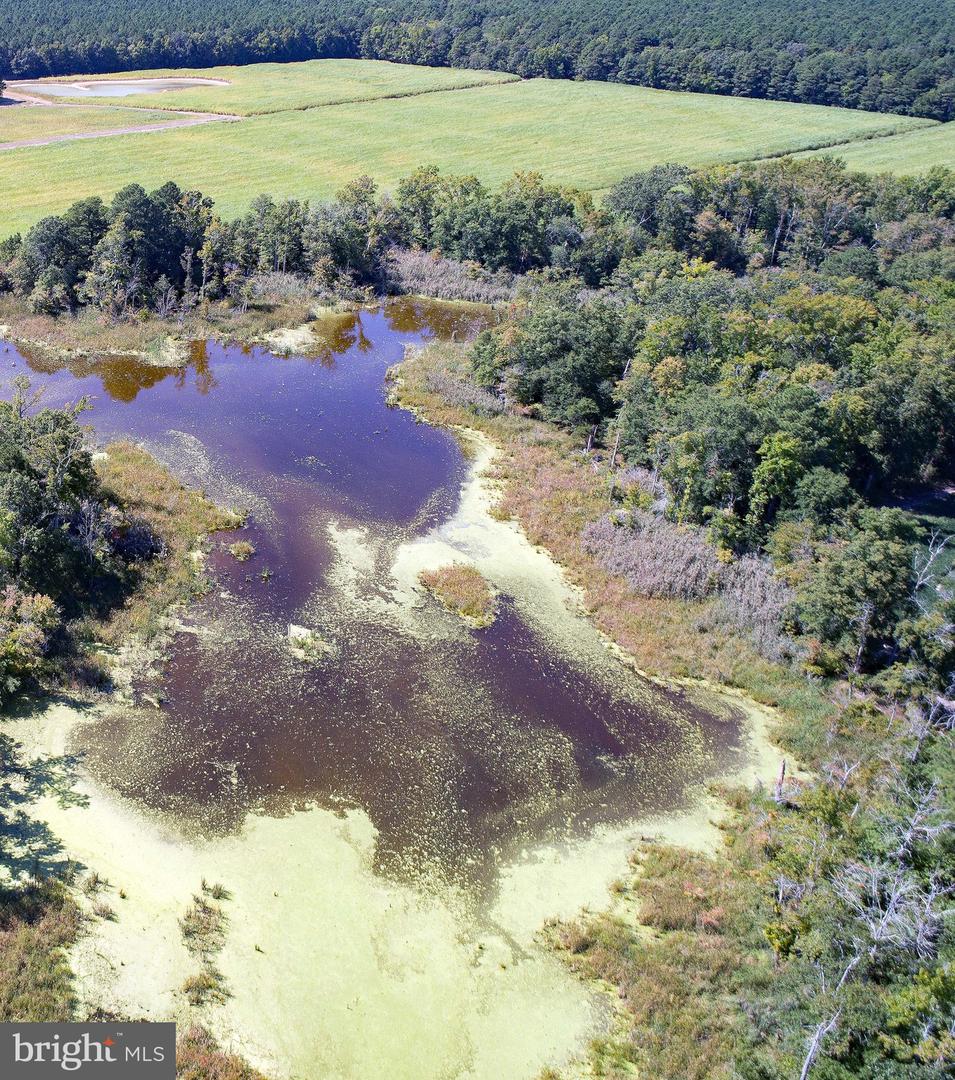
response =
{"points": [[463, 590], [203, 927], [206, 987], [216, 890], [554, 492], [198, 1057], [179, 516], [678, 972], [85, 335], [92, 883], [38, 922]]}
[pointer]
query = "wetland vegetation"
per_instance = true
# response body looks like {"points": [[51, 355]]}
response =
{"points": [[462, 590]]}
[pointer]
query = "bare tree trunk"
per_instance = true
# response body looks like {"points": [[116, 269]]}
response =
{"points": [[815, 1043], [780, 783]]}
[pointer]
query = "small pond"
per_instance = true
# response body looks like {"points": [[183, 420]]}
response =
{"points": [[109, 88], [461, 746]]}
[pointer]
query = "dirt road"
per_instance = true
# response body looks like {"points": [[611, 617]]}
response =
{"points": [[15, 98]]}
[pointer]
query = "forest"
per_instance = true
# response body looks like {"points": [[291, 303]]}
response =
{"points": [[899, 58], [759, 358]]}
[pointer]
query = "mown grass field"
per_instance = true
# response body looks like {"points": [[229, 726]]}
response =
{"points": [[588, 134], [267, 88], [914, 151], [20, 122]]}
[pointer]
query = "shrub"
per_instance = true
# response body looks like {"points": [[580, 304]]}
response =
{"points": [[207, 986], [428, 274], [464, 393], [756, 601], [278, 288], [27, 621], [241, 550], [656, 557]]}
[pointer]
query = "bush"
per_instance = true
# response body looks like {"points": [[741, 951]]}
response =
{"points": [[464, 393], [241, 550], [756, 601], [656, 557], [26, 624], [428, 274], [207, 986], [279, 288]]}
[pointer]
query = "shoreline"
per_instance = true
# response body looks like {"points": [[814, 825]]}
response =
{"points": [[136, 964]]}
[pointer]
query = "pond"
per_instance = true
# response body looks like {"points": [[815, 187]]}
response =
{"points": [[461, 746], [109, 88]]}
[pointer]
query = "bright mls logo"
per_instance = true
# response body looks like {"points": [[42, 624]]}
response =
{"points": [[91, 1051]]}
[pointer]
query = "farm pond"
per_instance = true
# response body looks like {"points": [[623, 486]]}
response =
{"points": [[110, 88]]}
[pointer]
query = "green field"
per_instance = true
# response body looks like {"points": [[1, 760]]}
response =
{"points": [[21, 122], [915, 151], [267, 88], [584, 133]]}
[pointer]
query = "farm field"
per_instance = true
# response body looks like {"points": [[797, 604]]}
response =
{"points": [[911, 152], [21, 122], [588, 134], [267, 88]]}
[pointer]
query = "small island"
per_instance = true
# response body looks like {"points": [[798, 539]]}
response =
{"points": [[464, 591]]}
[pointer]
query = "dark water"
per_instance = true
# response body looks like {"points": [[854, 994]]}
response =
{"points": [[460, 746]]}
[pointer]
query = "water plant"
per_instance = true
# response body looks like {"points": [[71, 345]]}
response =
{"points": [[241, 550], [463, 590]]}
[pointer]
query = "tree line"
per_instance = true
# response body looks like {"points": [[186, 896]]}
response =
{"points": [[767, 347], [900, 58]]}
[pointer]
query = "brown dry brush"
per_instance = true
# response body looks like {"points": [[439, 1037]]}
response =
{"points": [[429, 274], [464, 394], [198, 1057], [38, 922], [658, 558]]}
